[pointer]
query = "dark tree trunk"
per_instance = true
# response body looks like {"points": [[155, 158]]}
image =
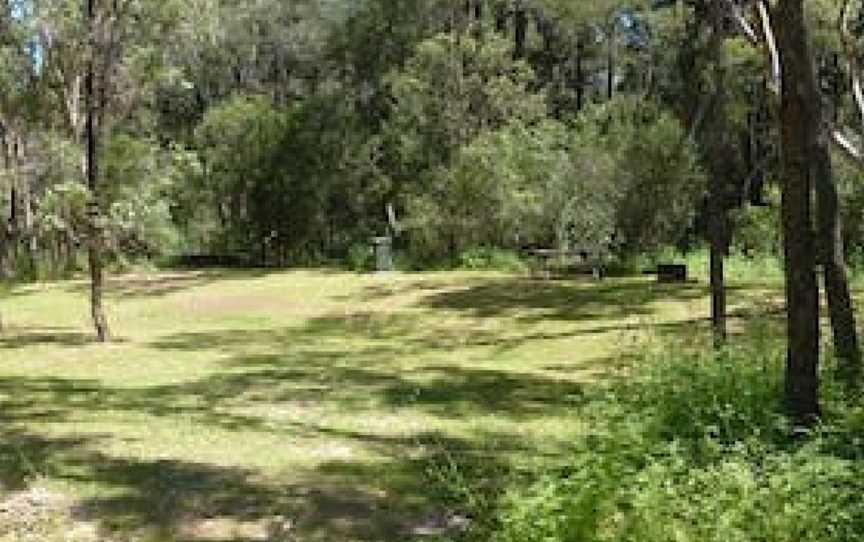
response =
{"points": [[580, 75], [720, 146], [836, 280], [4, 229], [761, 141], [29, 221], [97, 310], [14, 214], [520, 30], [717, 272], [797, 118], [610, 61], [501, 17], [6, 251]]}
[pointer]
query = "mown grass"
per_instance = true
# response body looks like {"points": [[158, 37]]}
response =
{"points": [[333, 401]]}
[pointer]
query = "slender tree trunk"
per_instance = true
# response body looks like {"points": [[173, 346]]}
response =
{"points": [[32, 244], [14, 207], [500, 17], [4, 230], [547, 66], [6, 267], [722, 170], [717, 272], [799, 98], [580, 75], [97, 310], [836, 280], [718, 226], [520, 29], [610, 61]]}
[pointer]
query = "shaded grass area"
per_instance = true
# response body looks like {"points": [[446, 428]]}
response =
{"points": [[236, 402]]}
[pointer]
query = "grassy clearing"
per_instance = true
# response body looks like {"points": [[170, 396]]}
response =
{"points": [[236, 402]]}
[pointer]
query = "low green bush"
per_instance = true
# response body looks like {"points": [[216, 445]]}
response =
{"points": [[694, 447], [757, 229], [360, 258], [491, 259]]}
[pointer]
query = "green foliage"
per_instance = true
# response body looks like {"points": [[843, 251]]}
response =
{"points": [[360, 257], [238, 142], [657, 177], [574, 195], [799, 495], [490, 259], [273, 182], [282, 130], [580, 12], [757, 230], [622, 177], [694, 448], [63, 213], [851, 188], [141, 180], [514, 186], [450, 91]]}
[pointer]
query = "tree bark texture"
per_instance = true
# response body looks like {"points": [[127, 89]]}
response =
{"points": [[798, 116], [721, 172], [520, 29], [97, 310], [835, 275], [6, 239], [829, 231]]}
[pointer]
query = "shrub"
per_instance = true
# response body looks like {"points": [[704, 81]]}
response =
{"points": [[360, 258], [490, 259], [757, 230], [694, 448]]}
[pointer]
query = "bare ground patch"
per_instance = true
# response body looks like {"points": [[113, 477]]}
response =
{"points": [[39, 515]]}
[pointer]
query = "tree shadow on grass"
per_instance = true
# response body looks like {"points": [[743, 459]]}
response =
{"points": [[144, 285], [451, 392], [137, 496], [340, 500], [224, 400], [561, 300], [183, 501], [15, 337]]}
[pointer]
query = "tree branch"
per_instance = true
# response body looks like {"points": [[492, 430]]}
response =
{"points": [[853, 59], [770, 42], [838, 138], [849, 149], [742, 22]]}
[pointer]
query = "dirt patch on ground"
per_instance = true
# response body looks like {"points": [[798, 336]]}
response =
{"points": [[39, 515], [276, 529], [148, 284]]}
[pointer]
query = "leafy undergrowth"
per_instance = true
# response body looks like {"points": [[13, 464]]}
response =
{"points": [[693, 448]]}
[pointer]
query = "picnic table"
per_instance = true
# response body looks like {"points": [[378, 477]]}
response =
{"points": [[576, 260]]}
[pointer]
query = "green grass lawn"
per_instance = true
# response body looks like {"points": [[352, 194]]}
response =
{"points": [[230, 400]]}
